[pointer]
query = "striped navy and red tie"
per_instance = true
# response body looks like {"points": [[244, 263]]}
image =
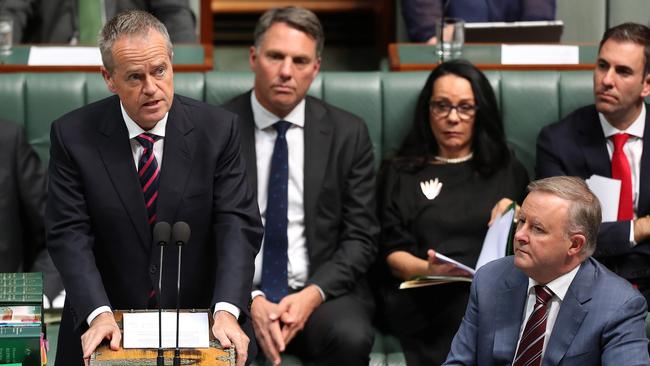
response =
{"points": [[531, 344], [149, 174]]}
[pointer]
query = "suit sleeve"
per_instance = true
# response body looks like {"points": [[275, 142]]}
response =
{"points": [[420, 18], [32, 187], [359, 227], [70, 239], [236, 225], [178, 19], [624, 340], [464, 345], [538, 10]]}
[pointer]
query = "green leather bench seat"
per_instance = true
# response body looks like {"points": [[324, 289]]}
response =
{"points": [[528, 101]]}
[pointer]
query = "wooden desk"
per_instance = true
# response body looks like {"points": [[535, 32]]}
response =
{"points": [[418, 56], [187, 57]]}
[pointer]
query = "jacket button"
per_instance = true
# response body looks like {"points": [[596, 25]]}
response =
{"points": [[153, 269]]}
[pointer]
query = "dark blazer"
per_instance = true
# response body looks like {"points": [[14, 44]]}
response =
{"points": [[421, 15], [601, 320], [22, 200], [56, 21], [339, 192], [98, 235], [576, 146]]}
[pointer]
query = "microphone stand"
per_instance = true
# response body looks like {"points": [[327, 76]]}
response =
{"points": [[180, 236], [441, 53], [161, 234]]}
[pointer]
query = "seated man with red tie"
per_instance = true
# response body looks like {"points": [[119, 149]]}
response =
{"points": [[551, 303], [607, 139]]}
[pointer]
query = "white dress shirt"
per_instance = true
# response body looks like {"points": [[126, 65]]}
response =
{"points": [[559, 287], [633, 149], [136, 150], [265, 136]]}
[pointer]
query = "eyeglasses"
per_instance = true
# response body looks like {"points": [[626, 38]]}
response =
{"points": [[442, 109]]}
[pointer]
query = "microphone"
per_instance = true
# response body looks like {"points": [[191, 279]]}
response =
{"points": [[161, 236], [180, 237]]}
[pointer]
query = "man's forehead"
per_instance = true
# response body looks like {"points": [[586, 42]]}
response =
{"points": [[625, 53]]}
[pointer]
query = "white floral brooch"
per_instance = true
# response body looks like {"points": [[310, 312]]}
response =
{"points": [[431, 188]]}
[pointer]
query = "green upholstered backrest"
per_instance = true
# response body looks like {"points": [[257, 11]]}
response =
{"points": [[386, 101]]}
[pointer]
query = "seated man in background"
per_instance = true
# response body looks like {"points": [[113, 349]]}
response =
{"points": [[313, 168], [79, 21], [421, 16], [608, 139], [552, 303]]}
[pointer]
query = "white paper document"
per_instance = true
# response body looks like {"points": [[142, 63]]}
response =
{"points": [[64, 56], [539, 55], [444, 259], [496, 239], [608, 191], [141, 330]]}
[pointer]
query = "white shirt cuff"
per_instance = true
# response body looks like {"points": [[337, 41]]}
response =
{"points": [[322, 294], [632, 241], [227, 307], [257, 293], [96, 312]]}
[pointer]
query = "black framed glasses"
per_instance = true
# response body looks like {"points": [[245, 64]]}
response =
{"points": [[442, 109]]}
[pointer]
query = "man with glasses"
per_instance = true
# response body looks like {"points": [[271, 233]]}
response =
{"points": [[608, 139]]}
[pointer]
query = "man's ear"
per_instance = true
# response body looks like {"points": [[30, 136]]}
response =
{"points": [[252, 56], [108, 80], [578, 242], [646, 86]]}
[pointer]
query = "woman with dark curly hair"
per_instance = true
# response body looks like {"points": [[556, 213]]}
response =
{"points": [[438, 194]]}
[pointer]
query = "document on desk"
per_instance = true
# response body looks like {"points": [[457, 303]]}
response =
{"points": [[141, 330], [608, 191], [540, 55], [64, 56], [496, 239]]}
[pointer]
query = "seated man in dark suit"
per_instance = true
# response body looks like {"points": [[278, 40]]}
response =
{"points": [[608, 139], [552, 304], [313, 168], [120, 165]]}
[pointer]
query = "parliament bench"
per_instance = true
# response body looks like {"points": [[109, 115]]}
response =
{"points": [[528, 101]]}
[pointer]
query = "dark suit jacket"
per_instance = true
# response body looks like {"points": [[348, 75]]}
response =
{"points": [[601, 320], [22, 200], [576, 146], [98, 235], [339, 192], [421, 15], [56, 21]]}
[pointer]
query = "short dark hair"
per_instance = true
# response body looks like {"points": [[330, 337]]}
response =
{"points": [[584, 214], [298, 18], [129, 22], [631, 32], [488, 143]]}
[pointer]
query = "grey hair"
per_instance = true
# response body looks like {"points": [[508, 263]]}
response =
{"points": [[584, 208], [128, 23], [295, 17]]}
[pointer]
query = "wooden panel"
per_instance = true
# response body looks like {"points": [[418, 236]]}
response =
{"points": [[252, 6]]}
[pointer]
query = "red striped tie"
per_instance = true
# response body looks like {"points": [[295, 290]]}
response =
{"points": [[149, 174], [531, 344]]}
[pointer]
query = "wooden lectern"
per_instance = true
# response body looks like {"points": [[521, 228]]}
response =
{"points": [[213, 356]]}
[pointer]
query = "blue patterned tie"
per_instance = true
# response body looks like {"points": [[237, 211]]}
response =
{"points": [[274, 266], [149, 174]]}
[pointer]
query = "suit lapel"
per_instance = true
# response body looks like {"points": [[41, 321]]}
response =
{"points": [[116, 153], [512, 296], [644, 182], [177, 161], [318, 140], [593, 145], [572, 313], [247, 129]]}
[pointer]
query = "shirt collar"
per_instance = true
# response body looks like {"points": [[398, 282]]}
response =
{"points": [[560, 285], [635, 129], [135, 130], [264, 119]]}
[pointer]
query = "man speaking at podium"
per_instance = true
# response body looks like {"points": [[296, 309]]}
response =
{"points": [[122, 164]]}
